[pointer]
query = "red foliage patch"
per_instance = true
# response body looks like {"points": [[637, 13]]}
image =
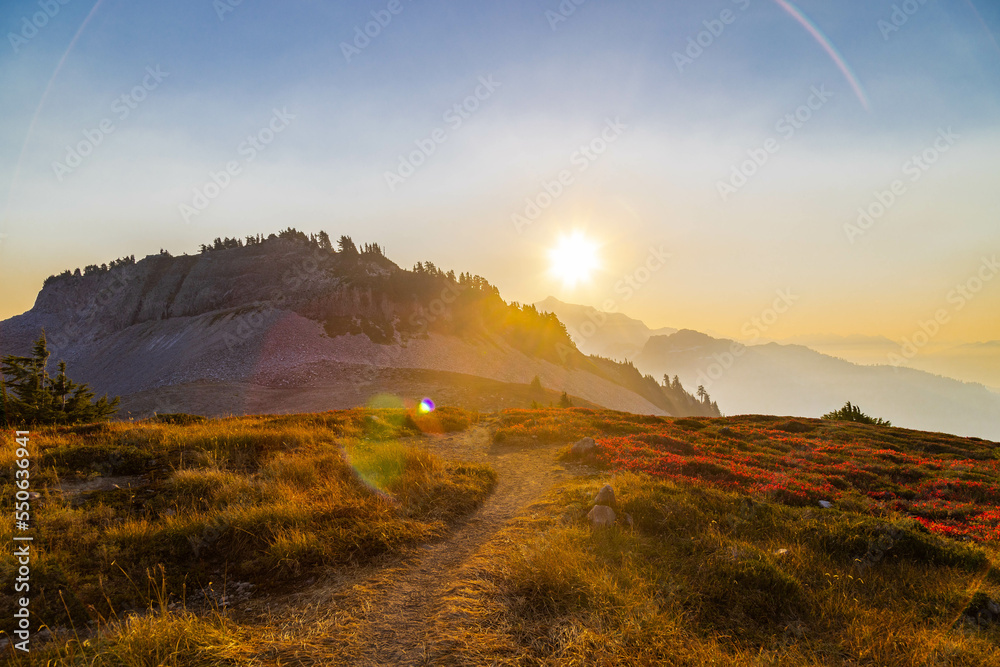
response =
{"points": [[949, 484]]}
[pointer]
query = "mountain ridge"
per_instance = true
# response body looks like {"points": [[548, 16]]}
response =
{"points": [[782, 379], [291, 311]]}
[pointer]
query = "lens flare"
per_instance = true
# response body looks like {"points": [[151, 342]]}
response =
{"points": [[830, 49], [426, 406]]}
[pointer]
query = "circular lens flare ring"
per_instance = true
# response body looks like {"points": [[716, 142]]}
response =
{"points": [[426, 406]]}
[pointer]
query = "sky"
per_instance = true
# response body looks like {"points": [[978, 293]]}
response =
{"points": [[720, 155]]}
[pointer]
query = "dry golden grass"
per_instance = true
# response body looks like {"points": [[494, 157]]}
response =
{"points": [[697, 581], [265, 500], [705, 576]]}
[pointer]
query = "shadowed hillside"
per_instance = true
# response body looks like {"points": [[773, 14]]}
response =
{"points": [[247, 324]]}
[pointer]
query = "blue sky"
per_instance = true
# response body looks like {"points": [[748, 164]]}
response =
{"points": [[656, 185]]}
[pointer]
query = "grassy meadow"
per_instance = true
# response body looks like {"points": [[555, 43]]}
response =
{"points": [[152, 535]]}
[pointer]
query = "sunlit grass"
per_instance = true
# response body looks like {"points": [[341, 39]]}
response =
{"points": [[265, 500], [700, 580]]}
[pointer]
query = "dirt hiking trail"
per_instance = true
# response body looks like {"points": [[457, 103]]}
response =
{"points": [[391, 614]]}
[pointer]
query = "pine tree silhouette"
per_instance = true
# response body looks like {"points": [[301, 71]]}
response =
{"points": [[30, 396]]}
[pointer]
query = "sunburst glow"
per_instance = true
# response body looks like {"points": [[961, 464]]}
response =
{"points": [[574, 259]]}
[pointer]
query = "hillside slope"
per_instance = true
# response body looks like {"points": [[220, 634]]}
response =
{"points": [[611, 335], [263, 325]]}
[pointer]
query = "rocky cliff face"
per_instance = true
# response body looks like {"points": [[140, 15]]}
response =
{"points": [[159, 287], [290, 315]]}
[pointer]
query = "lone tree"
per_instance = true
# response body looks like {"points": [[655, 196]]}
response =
{"points": [[29, 396], [852, 413], [564, 401]]}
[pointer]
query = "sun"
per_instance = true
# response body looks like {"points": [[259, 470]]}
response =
{"points": [[574, 259]]}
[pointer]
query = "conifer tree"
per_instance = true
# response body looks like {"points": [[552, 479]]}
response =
{"points": [[30, 396]]}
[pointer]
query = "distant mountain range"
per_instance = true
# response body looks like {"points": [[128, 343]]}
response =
{"points": [[794, 379], [610, 335], [970, 362], [287, 323]]}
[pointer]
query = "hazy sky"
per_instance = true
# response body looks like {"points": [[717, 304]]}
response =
{"points": [[160, 96]]}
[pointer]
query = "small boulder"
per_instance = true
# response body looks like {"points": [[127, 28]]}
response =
{"points": [[601, 516], [825, 504], [982, 610], [583, 447], [606, 496], [626, 520]]}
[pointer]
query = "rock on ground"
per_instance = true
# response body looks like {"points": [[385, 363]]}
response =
{"points": [[602, 516], [606, 496], [583, 447]]}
